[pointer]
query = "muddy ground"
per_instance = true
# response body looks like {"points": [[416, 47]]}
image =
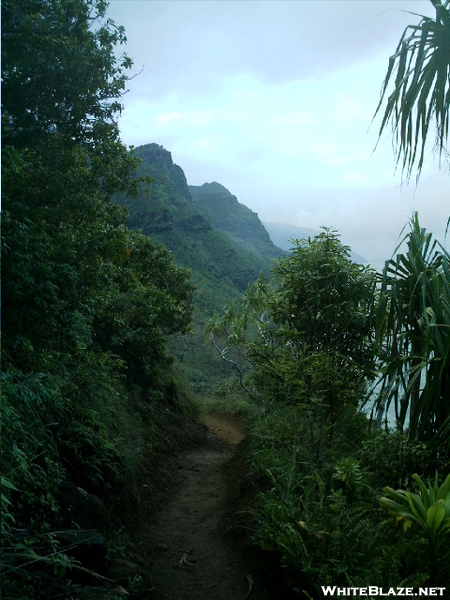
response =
{"points": [[189, 542]]}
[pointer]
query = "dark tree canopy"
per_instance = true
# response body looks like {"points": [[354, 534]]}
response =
{"points": [[59, 71], [88, 305]]}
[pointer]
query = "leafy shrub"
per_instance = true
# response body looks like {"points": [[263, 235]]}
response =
{"points": [[323, 537], [428, 514], [323, 519], [30, 458], [31, 474], [390, 459]]}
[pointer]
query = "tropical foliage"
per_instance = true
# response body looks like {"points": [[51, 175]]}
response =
{"points": [[88, 305], [306, 333], [412, 327], [320, 511], [323, 518], [307, 346], [430, 510], [420, 73]]}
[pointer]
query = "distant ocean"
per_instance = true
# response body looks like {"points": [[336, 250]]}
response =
{"points": [[390, 414]]}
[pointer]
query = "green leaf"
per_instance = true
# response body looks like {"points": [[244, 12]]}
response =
{"points": [[7, 484], [435, 516], [444, 490]]}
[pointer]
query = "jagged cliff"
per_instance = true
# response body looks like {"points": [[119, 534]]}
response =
{"points": [[234, 219], [160, 161], [225, 253]]}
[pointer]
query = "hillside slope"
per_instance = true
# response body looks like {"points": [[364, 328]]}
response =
{"points": [[222, 265], [234, 219], [166, 212]]}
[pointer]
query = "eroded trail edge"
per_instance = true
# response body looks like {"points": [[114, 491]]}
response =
{"points": [[194, 556]]}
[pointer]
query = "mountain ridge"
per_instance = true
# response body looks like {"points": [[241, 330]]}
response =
{"points": [[233, 218], [165, 211], [222, 242], [221, 267]]}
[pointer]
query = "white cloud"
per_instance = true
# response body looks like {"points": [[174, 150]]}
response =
{"points": [[168, 117], [274, 100], [354, 178], [325, 150]]}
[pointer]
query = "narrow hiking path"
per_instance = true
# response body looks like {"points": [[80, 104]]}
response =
{"points": [[194, 552]]}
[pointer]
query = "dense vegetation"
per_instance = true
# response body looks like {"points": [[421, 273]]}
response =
{"points": [[88, 305], [180, 217], [317, 337], [92, 307]]}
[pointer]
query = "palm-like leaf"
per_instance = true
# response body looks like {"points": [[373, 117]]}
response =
{"points": [[420, 73], [413, 328], [429, 509]]}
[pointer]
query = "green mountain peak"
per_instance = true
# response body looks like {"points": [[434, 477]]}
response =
{"points": [[236, 220]]}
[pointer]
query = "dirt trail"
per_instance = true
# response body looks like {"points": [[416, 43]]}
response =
{"points": [[194, 557], [224, 426]]}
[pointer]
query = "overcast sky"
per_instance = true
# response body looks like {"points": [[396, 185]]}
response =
{"points": [[274, 100]]}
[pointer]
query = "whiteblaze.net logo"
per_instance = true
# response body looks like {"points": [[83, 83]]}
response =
{"points": [[374, 590]]}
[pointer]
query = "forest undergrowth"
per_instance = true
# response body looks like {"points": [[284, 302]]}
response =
{"points": [[91, 389], [323, 519], [345, 495]]}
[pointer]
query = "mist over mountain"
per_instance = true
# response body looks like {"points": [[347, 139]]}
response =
{"points": [[234, 219], [208, 230], [282, 235], [221, 241]]}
